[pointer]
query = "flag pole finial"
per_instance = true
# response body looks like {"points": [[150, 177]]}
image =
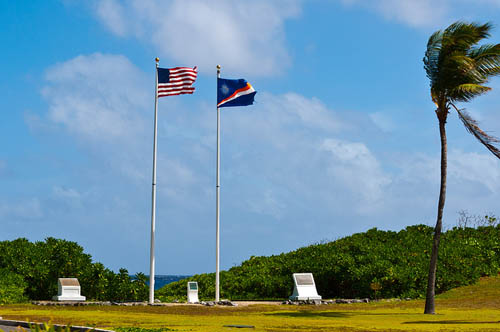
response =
{"points": [[157, 59], [218, 69]]}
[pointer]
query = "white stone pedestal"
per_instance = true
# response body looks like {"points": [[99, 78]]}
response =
{"points": [[192, 292], [304, 287], [68, 290]]}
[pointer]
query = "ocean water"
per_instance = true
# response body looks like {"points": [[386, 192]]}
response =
{"points": [[162, 280]]}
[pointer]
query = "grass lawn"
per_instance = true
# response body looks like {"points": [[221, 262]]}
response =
{"points": [[471, 308]]}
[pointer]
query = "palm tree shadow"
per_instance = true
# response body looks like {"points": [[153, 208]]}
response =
{"points": [[303, 314], [464, 322], [329, 314]]}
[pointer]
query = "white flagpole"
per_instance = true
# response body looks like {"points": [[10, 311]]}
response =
{"points": [[217, 203], [153, 198]]}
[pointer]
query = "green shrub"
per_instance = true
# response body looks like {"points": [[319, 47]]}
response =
{"points": [[12, 287], [41, 263], [397, 261], [48, 327]]}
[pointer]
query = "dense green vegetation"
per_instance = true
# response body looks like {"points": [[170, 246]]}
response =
{"points": [[12, 287], [471, 308], [30, 271], [395, 263], [48, 327]]}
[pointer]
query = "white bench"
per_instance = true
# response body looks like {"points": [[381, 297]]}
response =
{"points": [[304, 287], [68, 290], [192, 292]]}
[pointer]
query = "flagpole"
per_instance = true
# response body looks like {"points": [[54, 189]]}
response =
{"points": [[217, 203], [153, 198]]}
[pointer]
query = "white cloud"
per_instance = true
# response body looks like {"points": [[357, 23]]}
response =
{"points": [[267, 203], [465, 169], [473, 184], [485, 109], [474, 168], [243, 37], [290, 151], [418, 168], [413, 12], [425, 13], [96, 96], [288, 158], [30, 209], [179, 181], [311, 113], [285, 122], [383, 121], [102, 101], [111, 14], [66, 194], [66, 200], [358, 170], [416, 13], [282, 145]]}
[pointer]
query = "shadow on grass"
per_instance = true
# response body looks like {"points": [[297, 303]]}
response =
{"points": [[449, 322], [310, 314], [331, 314]]}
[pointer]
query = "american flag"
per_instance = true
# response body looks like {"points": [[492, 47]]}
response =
{"points": [[176, 81]]}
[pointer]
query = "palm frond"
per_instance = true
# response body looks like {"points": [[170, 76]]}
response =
{"points": [[460, 67], [472, 127], [457, 73], [456, 67], [467, 91], [431, 58], [462, 35], [487, 58], [484, 51]]}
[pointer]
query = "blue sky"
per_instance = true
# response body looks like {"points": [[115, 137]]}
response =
{"points": [[342, 137]]}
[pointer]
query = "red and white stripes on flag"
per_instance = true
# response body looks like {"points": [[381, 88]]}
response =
{"points": [[176, 81]]}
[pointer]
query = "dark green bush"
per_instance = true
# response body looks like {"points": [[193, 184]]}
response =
{"points": [[396, 261], [40, 264], [12, 287]]}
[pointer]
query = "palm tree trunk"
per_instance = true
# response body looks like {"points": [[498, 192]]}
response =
{"points": [[431, 283]]}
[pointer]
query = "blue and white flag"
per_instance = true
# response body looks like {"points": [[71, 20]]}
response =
{"points": [[234, 93]]}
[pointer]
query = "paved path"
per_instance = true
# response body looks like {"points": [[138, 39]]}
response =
{"points": [[6, 328], [12, 326]]}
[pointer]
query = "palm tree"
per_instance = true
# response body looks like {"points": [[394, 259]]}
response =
{"points": [[457, 69]]}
